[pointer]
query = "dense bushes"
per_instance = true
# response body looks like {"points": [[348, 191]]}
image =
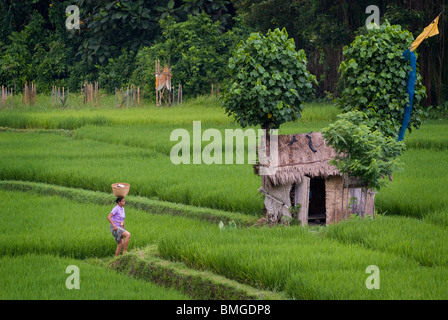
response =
{"points": [[196, 50], [374, 76], [115, 39], [268, 81]]}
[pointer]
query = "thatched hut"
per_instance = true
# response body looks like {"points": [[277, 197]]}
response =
{"points": [[305, 180]]}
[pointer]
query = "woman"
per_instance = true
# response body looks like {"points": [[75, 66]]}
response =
{"points": [[117, 227]]}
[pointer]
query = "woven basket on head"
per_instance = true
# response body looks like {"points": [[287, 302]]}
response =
{"points": [[120, 189]]}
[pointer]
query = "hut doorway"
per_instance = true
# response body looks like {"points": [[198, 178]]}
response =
{"points": [[317, 206], [310, 194]]}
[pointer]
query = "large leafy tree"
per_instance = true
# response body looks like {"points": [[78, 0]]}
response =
{"points": [[374, 76], [217, 10], [363, 152], [269, 81], [109, 26], [196, 50]]}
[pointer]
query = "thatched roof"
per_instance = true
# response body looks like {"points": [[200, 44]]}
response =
{"points": [[296, 159]]}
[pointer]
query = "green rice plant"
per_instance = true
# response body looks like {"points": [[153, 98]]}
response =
{"points": [[145, 132], [153, 206], [410, 238], [319, 112], [420, 188], [51, 225], [96, 165], [438, 217], [416, 191], [433, 134], [206, 110], [43, 277], [304, 264]]}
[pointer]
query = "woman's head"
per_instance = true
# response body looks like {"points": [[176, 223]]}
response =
{"points": [[120, 201]]}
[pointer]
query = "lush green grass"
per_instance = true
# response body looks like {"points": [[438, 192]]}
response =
{"points": [[43, 277], [108, 145], [420, 188], [53, 225], [96, 165], [206, 109], [305, 265], [433, 134], [154, 206], [424, 242], [302, 263]]}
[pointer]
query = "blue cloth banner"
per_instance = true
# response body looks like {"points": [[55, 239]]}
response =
{"points": [[409, 55]]}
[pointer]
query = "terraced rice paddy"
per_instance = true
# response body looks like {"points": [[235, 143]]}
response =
{"points": [[57, 166]]}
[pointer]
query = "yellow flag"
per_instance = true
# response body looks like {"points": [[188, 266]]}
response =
{"points": [[429, 31]]}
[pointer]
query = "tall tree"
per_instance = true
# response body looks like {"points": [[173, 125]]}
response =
{"points": [[323, 27], [109, 26]]}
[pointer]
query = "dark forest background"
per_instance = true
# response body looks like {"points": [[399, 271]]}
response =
{"points": [[118, 41]]}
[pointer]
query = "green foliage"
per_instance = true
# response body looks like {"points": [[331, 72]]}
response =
{"points": [[302, 263], [269, 81], [362, 152], [230, 226], [374, 76], [216, 9], [112, 25], [437, 112], [117, 73], [34, 55], [51, 65], [196, 51], [42, 277], [16, 60], [407, 237], [31, 157]]}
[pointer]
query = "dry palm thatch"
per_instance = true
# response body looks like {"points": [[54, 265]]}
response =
{"points": [[300, 155]]}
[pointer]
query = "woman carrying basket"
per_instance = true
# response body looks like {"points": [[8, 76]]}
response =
{"points": [[117, 226]]}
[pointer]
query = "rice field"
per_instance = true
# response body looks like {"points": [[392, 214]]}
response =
{"points": [[90, 148], [43, 277]]}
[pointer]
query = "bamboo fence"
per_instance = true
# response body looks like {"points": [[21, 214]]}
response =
{"points": [[7, 96], [29, 94]]}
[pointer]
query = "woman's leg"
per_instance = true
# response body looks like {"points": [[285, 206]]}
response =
{"points": [[127, 237], [119, 248]]}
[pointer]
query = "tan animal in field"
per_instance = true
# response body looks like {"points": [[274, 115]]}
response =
{"points": [[163, 80]]}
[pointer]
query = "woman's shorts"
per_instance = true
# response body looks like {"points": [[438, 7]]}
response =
{"points": [[117, 234]]}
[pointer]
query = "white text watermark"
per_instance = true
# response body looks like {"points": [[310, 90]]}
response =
{"points": [[234, 139]]}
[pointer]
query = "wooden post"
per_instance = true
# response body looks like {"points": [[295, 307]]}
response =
{"points": [[25, 93], [3, 100], [138, 96], [157, 91], [127, 97], [96, 93]]}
